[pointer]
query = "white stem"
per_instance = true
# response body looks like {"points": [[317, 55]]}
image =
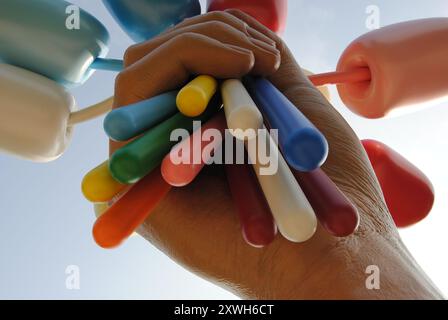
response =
{"points": [[91, 112]]}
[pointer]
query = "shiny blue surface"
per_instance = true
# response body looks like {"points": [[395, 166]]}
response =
{"points": [[34, 36], [125, 123], [303, 145], [144, 19], [107, 64]]}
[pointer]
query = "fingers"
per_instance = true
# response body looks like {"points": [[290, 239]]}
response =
{"points": [[347, 164], [170, 65], [216, 44], [230, 20], [254, 25], [267, 57], [290, 78]]}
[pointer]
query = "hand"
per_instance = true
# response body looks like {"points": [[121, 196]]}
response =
{"points": [[197, 225]]}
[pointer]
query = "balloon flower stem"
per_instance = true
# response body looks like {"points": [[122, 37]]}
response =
{"points": [[91, 112], [107, 64], [341, 77]]}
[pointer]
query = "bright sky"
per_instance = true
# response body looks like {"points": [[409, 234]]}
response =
{"points": [[45, 224]]}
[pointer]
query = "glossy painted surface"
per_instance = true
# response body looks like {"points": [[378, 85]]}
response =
{"points": [[257, 223], [333, 209], [242, 114], [303, 145], [408, 66], [194, 97], [197, 149], [292, 212], [98, 185], [144, 19], [127, 122], [136, 159], [408, 192], [120, 220], [33, 115], [271, 13], [34, 36]]}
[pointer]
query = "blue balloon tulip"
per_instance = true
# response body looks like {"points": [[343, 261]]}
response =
{"points": [[40, 36], [144, 19], [305, 148], [129, 121]]}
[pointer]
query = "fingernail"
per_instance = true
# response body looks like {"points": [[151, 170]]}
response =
{"points": [[244, 51], [264, 46], [259, 36], [239, 49]]}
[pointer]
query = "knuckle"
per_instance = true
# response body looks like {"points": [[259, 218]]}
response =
{"points": [[235, 15], [120, 81], [180, 24], [234, 11], [185, 20], [218, 15], [229, 20], [216, 25], [184, 39], [129, 55]]}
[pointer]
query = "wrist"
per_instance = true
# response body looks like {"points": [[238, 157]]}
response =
{"points": [[359, 267]]}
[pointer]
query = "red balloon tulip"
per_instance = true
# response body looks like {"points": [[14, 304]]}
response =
{"points": [[408, 192], [271, 13]]}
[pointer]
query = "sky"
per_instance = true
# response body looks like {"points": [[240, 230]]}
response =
{"points": [[45, 223]]}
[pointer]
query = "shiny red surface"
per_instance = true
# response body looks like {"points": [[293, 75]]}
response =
{"points": [[258, 226], [333, 209], [271, 13], [408, 192]]}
